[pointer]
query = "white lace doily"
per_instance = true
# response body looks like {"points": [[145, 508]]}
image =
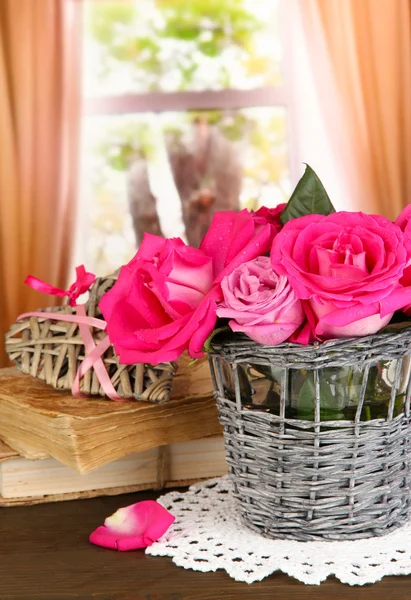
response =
{"points": [[208, 535]]}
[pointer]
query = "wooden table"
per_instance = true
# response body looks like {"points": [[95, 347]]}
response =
{"points": [[45, 555]]}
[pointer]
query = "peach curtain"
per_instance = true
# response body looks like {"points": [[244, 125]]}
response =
{"points": [[367, 45], [40, 104]]}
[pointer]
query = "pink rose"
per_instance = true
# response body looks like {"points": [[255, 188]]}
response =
{"points": [[132, 527], [164, 300], [270, 215], [404, 223], [234, 238], [260, 303], [161, 302], [348, 267]]}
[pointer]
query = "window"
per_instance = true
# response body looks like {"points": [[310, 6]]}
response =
{"points": [[185, 100]]}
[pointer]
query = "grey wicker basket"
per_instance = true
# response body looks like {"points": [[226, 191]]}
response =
{"points": [[341, 475]]}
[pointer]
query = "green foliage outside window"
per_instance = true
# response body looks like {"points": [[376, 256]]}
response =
{"points": [[184, 44], [178, 45]]}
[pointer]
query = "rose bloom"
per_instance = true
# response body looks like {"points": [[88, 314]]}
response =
{"points": [[404, 223], [260, 303], [270, 215], [347, 266], [164, 300]]}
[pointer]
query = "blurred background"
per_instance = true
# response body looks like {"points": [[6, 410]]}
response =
{"points": [[124, 116], [185, 113]]}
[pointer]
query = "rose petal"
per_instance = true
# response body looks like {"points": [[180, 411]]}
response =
{"points": [[272, 216], [149, 247], [216, 241], [257, 246], [267, 335], [132, 527], [189, 267], [234, 238], [360, 327]]}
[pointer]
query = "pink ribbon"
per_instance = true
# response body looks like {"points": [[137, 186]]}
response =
{"points": [[93, 352], [82, 284]]}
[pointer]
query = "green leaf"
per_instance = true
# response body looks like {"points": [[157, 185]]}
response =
{"points": [[306, 399], [308, 198], [329, 409]]}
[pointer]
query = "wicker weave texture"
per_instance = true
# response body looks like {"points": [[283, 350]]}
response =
{"points": [[53, 350], [333, 353], [308, 480]]}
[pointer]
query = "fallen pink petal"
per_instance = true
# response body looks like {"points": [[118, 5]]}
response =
{"points": [[132, 527]]}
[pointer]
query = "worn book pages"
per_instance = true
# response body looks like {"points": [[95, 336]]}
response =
{"points": [[22, 478], [87, 433]]}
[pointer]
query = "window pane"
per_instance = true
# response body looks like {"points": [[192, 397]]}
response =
{"points": [[191, 163], [175, 45]]}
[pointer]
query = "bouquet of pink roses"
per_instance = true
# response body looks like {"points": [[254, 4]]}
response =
{"points": [[300, 272]]}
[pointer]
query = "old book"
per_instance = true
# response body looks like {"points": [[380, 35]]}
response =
{"points": [[6, 452], [25, 481], [86, 433]]}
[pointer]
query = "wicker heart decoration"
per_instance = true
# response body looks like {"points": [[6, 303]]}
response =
{"points": [[54, 350]]}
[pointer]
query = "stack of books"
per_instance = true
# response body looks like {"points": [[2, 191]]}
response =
{"points": [[56, 447]]}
